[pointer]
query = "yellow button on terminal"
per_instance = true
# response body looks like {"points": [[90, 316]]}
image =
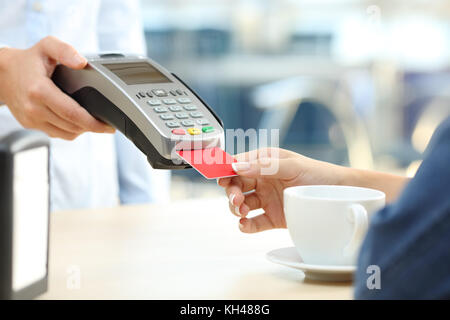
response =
{"points": [[194, 131]]}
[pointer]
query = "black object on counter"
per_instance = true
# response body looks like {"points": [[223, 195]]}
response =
{"points": [[24, 214]]}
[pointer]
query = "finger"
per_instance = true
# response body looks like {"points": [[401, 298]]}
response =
{"points": [[59, 122], [235, 195], [241, 185], [234, 210], [252, 201], [68, 109], [246, 184], [285, 169], [223, 182], [256, 224], [243, 210], [56, 132], [62, 52]]}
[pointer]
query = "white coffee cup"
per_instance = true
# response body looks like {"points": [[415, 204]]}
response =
{"points": [[328, 223]]}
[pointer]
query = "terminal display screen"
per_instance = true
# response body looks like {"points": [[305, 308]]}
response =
{"points": [[137, 73]]}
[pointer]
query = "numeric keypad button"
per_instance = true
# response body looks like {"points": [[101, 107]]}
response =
{"points": [[190, 107], [172, 124], [175, 108], [196, 114], [187, 123], [154, 102], [184, 100], [160, 109], [166, 117], [181, 115]]}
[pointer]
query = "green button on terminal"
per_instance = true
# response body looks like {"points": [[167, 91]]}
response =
{"points": [[207, 129]]}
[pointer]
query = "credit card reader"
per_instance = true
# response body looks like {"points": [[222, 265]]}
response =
{"points": [[154, 108]]}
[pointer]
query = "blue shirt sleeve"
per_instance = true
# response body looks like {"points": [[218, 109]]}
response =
{"points": [[410, 240]]}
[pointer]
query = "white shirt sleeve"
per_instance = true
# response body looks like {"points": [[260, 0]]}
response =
{"points": [[120, 27]]}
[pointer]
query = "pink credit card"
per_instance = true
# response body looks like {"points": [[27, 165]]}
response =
{"points": [[212, 163]]}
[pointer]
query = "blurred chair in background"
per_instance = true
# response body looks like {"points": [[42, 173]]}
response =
{"points": [[281, 100]]}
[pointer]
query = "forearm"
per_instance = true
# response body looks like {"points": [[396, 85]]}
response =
{"points": [[392, 185], [2, 62]]}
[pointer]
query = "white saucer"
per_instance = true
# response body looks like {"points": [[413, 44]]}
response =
{"points": [[289, 257]]}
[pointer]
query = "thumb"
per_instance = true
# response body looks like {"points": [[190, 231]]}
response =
{"points": [[270, 168], [62, 52]]}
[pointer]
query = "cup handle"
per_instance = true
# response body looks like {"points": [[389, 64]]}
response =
{"points": [[358, 217]]}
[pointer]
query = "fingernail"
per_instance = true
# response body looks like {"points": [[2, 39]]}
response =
{"points": [[231, 198], [218, 180], [240, 166], [79, 59], [236, 210]]}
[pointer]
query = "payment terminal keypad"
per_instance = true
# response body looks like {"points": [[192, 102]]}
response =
{"points": [[179, 112]]}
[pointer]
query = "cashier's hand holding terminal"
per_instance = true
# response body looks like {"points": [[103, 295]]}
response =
{"points": [[34, 100], [254, 189]]}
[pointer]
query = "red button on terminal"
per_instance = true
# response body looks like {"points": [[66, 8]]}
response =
{"points": [[179, 132]]}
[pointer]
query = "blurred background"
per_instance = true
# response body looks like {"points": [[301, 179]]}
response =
{"points": [[353, 82]]}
